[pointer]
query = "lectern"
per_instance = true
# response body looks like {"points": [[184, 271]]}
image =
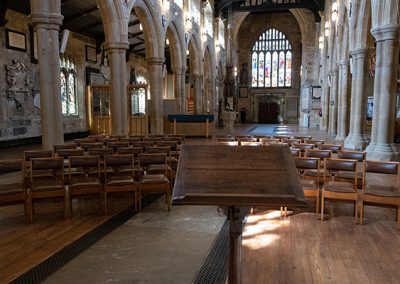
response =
{"points": [[237, 178]]}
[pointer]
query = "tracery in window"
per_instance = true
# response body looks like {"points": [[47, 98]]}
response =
{"points": [[271, 60], [69, 103]]}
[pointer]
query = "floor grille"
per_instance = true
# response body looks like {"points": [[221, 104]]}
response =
{"points": [[43, 270], [214, 269]]}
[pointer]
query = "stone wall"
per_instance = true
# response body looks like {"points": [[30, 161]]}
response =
{"points": [[251, 28], [20, 92]]}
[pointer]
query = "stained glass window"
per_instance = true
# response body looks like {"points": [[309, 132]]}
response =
{"points": [[69, 103], [271, 60]]}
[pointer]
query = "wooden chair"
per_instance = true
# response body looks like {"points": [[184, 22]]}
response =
{"points": [[266, 141], [224, 139], [302, 147], [359, 156], [303, 138], [315, 142], [333, 147], [339, 190], [130, 140], [120, 177], [12, 185], [117, 137], [154, 183], [28, 155], [46, 181], [281, 137], [380, 186], [310, 187], [143, 145], [84, 178], [57, 147], [79, 141], [250, 143], [295, 152], [87, 146], [115, 145], [321, 155], [290, 142], [229, 143]]}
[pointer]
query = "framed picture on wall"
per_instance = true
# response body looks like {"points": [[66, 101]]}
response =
{"points": [[91, 55], [243, 92], [15, 40]]}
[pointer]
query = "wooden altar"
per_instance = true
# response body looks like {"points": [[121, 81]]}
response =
{"points": [[237, 178]]}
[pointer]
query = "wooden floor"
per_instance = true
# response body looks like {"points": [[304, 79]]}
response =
{"points": [[302, 249], [23, 246], [295, 249]]}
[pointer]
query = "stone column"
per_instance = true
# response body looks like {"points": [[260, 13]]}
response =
{"points": [[46, 18], [333, 113], [324, 107], [198, 96], [156, 104], [118, 95], [179, 89], [343, 85], [385, 83], [356, 139]]}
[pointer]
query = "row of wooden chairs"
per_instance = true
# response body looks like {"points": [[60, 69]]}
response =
{"points": [[378, 186], [131, 138], [85, 176], [261, 138]]}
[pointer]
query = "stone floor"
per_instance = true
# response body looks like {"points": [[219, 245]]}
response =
{"points": [[155, 246]]}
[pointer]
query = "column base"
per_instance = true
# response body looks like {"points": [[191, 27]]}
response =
{"points": [[383, 152], [356, 142], [340, 138]]}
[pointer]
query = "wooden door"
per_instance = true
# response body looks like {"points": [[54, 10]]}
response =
{"points": [[98, 113], [138, 121], [268, 112]]}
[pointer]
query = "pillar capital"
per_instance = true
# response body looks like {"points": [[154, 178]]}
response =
{"points": [[156, 60], [180, 71], [47, 21], [359, 53], [343, 63], [386, 32], [116, 46]]}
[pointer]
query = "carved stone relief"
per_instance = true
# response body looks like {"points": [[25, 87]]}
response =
{"points": [[20, 88]]}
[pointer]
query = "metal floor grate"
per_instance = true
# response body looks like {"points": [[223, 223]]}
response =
{"points": [[214, 269], [43, 270]]}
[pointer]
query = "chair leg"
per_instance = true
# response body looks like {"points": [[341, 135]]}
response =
{"points": [[66, 211], [356, 212], [322, 206], [361, 206], [29, 209], [317, 205], [105, 203]]}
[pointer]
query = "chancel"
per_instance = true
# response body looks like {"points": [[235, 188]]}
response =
{"points": [[282, 108]]}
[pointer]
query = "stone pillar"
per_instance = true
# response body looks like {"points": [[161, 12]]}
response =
{"points": [[333, 103], [179, 89], [118, 95], [356, 139], [46, 18], [385, 83], [156, 103], [198, 96], [343, 86], [324, 107]]}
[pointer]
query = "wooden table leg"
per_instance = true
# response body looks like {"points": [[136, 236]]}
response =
{"points": [[236, 217]]}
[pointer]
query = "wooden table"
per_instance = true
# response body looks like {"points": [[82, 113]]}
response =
{"points": [[237, 178]]}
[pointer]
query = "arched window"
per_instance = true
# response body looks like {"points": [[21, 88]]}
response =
{"points": [[271, 60], [69, 103]]}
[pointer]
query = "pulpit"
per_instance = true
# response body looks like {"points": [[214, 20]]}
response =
{"points": [[237, 178]]}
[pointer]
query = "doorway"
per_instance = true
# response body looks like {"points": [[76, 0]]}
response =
{"points": [[268, 112]]}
